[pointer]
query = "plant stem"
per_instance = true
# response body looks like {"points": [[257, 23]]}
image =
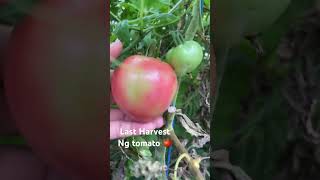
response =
{"points": [[134, 42], [180, 40], [172, 115], [180, 37], [114, 16], [170, 123], [182, 150], [194, 23], [141, 14], [164, 160], [175, 39], [175, 6], [193, 164], [177, 164], [189, 160]]}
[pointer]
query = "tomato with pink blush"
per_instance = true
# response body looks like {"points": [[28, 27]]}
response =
{"points": [[144, 87]]}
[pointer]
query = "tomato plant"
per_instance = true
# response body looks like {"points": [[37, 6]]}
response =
{"points": [[166, 30], [144, 87]]}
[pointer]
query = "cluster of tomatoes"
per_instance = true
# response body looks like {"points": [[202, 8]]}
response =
{"points": [[144, 86]]}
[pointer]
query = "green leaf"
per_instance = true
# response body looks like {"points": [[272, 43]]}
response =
{"points": [[155, 21], [194, 23], [122, 32], [207, 3], [151, 6], [143, 151]]}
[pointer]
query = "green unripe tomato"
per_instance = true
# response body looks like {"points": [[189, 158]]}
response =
{"points": [[185, 58]]}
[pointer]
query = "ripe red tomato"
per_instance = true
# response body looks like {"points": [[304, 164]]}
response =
{"points": [[55, 85], [143, 87]]}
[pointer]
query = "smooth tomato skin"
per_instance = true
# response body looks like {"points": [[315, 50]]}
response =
{"points": [[186, 57], [55, 85], [143, 87]]}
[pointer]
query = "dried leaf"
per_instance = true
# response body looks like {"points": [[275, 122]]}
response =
{"points": [[192, 128]]}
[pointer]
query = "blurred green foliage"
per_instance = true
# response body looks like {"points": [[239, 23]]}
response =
{"points": [[251, 116]]}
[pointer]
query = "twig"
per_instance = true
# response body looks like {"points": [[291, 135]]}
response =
{"points": [[175, 6], [114, 16], [177, 164], [127, 49], [193, 163]]}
